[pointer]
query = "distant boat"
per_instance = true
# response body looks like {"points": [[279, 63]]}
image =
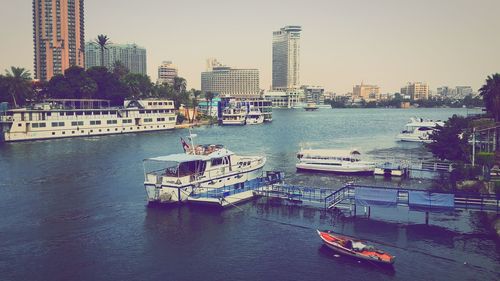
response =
{"points": [[333, 160], [311, 106], [254, 116], [234, 116], [419, 130], [355, 248]]}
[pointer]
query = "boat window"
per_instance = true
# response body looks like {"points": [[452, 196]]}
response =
{"points": [[188, 168], [424, 129], [216, 162]]}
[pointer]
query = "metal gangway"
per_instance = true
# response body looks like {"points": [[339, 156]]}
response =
{"points": [[345, 197]]}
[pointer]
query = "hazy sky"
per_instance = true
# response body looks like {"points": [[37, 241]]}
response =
{"points": [[386, 42]]}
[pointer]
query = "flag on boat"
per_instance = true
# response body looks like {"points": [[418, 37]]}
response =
{"points": [[185, 146]]}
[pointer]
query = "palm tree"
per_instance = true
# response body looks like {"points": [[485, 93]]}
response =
{"points": [[18, 82], [179, 85], [103, 41], [209, 96], [196, 94], [491, 95]]}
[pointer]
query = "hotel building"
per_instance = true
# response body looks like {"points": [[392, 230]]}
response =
{"points": [[230, 82], [131, 56], [286, 57], [58, 36]]}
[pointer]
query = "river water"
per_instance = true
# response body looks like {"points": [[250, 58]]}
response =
{"points": [[75, 209]]}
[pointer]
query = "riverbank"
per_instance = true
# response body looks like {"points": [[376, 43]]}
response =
{"points": [[187, 125]]}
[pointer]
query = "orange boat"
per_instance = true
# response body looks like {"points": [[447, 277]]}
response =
{"points": [[355, 248]]}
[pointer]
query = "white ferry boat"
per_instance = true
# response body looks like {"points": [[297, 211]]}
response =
{"points": [[331, 160], [234, 116], [62, 118], [204, 174], [419, 130], [254, 116]]}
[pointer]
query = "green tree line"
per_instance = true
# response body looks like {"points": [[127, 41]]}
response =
{"points": [[116, 85]]}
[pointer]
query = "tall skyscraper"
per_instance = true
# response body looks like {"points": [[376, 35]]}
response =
{"points": [[286, 57], [58, 36], [130, 55], [230, 82], [167, 73]]}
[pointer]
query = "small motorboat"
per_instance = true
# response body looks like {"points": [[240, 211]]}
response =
{"points": [[355, 248]]}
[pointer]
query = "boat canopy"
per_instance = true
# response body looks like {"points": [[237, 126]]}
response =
{"points": [[184, 157], [180, 157]]}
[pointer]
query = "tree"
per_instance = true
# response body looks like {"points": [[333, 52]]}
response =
{"points": [[120, 69], [138, 85], [491, 95], [103, 41], [17, 83], [179, 84], [209, 96], [451, 141], [196, 94], [81, 86]]}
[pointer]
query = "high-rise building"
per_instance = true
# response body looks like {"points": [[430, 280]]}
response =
{"points": [[459, 92], [366, 92], [286, 57], [130, 55], [58, 36], [231, 82], [416, 91], [166, 73]]}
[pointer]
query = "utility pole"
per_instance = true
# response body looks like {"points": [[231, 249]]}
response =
{"points": [[473, 147]]}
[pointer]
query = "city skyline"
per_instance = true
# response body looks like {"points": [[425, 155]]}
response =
{"points": [[387, 43]]}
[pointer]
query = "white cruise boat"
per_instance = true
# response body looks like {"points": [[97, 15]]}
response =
{"points": [[234, 116], [63, 118], [419, 130], [254, 116], [332, 160], [205, 174]]}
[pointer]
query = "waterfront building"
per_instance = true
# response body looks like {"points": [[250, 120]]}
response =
{"points": [[416, 90], [131, 56], [263, 105], [58, 36], [286, 57], [230, 82], [366, 92], [289, 98], [167, 73], [63, 118], [314, 94]]}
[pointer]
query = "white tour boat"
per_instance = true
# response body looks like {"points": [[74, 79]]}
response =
{"points": [[254, 116], [204, 174], [419, 130], [332, 160], [234, 116], [63, 118]]}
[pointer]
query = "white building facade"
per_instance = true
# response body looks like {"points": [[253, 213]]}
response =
{"points": [[167, 73], [231, 82]]}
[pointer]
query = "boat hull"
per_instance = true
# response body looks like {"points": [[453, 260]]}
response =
{"points": [[336, 169], [410, 138], [347, 252]]}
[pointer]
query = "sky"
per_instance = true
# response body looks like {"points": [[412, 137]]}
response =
{"points": [[343, 43]]}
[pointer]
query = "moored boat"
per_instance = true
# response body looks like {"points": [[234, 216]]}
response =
{"points": [[355, 248], [205, 174], [311, 106], [254, 116], [419, 130], [234, 116], [332, 160]]}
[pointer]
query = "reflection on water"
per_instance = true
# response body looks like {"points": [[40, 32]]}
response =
{"points": [[75, 209]]}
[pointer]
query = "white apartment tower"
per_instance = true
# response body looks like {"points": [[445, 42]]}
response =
{"points": [[166, 73], [286, 57]]}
